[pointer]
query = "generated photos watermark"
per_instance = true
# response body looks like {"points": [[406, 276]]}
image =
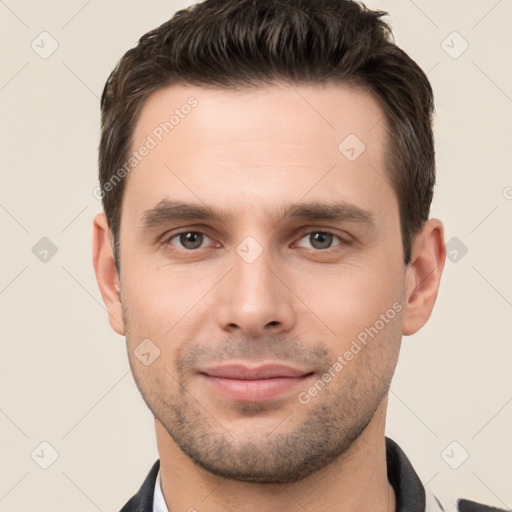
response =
{"points": [[361, 341], [151, 142]]}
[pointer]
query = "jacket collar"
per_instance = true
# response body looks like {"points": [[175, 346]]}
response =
{"points": [[409, 491], [143, 500]]}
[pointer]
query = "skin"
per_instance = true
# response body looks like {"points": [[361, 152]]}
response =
{"points": [[250, 154]]}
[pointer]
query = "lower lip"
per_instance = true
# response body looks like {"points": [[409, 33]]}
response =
{"points": [[254, 390]]}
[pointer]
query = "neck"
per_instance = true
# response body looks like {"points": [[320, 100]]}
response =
{"points": [[355, 482]]}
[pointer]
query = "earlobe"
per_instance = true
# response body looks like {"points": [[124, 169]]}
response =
{"points": [[106, 273], [423, 276]]}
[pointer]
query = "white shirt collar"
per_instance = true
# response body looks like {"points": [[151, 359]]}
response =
{"points": [[158, 498]]}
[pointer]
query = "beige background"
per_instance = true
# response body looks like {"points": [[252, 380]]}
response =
{"points": [[64, 374]]}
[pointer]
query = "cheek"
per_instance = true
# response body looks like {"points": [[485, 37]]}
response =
{"points": [[348, 298], [162, 301]]}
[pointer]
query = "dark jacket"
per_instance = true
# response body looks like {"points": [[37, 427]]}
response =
{"points": [[409, 491]]}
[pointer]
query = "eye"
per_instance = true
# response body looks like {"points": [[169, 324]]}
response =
{"points": [[188, 240], [320, 240]]}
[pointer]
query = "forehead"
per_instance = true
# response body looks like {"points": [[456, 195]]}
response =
{"points": [[255, 148]]}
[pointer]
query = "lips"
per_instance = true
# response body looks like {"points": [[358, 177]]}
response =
{"points": [[242, 383], [261, 372]]}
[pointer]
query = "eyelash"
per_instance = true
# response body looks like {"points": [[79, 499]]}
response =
{"points": [[307, 231]]}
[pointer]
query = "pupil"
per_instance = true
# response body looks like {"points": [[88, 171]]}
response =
{"points": [[321, 240], [191, 240]]}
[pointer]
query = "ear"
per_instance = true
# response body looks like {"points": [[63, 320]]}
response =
{"points": [[106, 272], [423, 276]]}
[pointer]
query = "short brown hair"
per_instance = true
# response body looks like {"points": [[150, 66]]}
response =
{"points": [[234, 44]]}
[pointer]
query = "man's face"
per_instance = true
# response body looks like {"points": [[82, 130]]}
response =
{"points": [[276, 280]]}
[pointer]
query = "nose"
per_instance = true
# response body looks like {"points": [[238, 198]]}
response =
{"points": [[254, 299]]}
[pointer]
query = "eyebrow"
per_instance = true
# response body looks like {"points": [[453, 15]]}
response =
{"points": [[167, 211]]}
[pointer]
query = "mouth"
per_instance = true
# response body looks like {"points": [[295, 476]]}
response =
{"points": [[241, 383]]}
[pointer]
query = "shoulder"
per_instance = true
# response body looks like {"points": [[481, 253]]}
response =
{"points": [[459, 505], [412, 495], [472, 506]]}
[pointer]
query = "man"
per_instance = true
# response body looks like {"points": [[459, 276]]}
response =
{"points": [[267, 170]]}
